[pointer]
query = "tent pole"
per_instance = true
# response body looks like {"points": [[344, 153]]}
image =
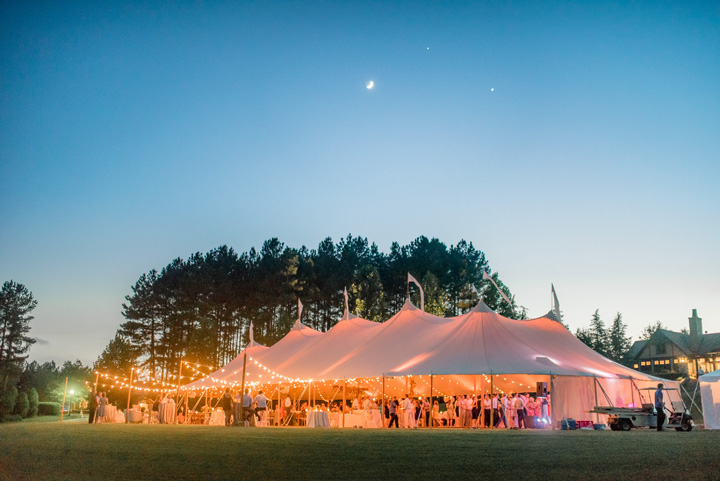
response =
{"points": [[242, 390], [597, 416], [492, 400], [632, 393], [552, 403], [177, 391], [127, 418], [344, 402], [432, 421], [382, 408]]}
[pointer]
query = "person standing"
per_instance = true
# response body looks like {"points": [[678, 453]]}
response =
{"points": [[261, 401], [426, 407], [288, 408], [519, 405], [102, 403], [393, 407], [92, 407], [487, 406], [408, 411], [450, 411], [226, 405], [660, 407]]}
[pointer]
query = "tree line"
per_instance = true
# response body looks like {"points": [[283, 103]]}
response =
{"points": [[201, 307]]}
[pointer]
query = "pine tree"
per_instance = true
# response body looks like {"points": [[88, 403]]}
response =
{"points": [[619, 342], [16, 304]]}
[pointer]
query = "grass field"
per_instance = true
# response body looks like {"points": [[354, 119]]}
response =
{"points": [[76, 450]]}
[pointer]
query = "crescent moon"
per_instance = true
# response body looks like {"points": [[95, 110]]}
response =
{"points": [[370, 84]]}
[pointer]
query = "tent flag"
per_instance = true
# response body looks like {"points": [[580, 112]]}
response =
{"points": [[556, 303], [347, 308], [486, 276], [422, 293]]}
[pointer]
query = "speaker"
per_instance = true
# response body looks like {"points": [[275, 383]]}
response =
{"points": [[541, 389]]}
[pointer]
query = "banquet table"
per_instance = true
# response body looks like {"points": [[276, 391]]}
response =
{"points": [[318, 419], [166, 413], [358, 419]]}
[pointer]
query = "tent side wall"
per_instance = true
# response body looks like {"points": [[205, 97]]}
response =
{"points": [[710, 395]]}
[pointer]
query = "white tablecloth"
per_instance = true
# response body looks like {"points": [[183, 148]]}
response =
{"points": [[110, 412], [318, 419], [166, 413], [358, 419], [217, 418], [119, 417]]}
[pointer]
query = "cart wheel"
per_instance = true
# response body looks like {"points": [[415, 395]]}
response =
{"points": [[625, 425], [684, 427], [615, 427]]}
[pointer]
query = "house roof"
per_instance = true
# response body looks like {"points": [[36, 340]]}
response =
{"points": [[708, 343]]}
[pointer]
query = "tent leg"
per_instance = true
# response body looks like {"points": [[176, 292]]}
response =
{"points": [[344, 402]]}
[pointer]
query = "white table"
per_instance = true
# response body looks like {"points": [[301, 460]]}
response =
{"points": [[318, 419], [217, 418], [110, 412], [166, 413], [358, 419]]}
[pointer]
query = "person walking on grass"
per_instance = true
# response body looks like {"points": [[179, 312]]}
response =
{"points": [[660, 407]]}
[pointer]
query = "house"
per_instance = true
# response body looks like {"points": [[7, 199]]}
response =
{"points": [[677, 354]]}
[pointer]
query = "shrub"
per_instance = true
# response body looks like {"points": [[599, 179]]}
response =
{"points": [[22, 405], [7, 402], [33, 400], [48, 409]]}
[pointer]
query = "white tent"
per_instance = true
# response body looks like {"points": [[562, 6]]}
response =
{"points": [[415, 351], [710, 395]]}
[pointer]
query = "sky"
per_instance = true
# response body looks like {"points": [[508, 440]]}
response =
{"points": [[574, 143]]}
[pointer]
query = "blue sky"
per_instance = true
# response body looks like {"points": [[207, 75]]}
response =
{"points": [[134, 133]]}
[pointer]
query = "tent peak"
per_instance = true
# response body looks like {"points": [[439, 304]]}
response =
{"points": [[481, 307], [408, 305], [552, 316], [298, 326]]}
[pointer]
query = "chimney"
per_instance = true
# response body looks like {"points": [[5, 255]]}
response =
{"points": [[695, 326]]}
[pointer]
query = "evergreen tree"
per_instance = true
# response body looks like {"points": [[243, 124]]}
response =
{"points": [[619, 341], [33, 402], [16, 304], [436, 299], [367, 291], [596, 336]]}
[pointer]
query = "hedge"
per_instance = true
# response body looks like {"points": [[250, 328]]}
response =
{"points": [[48, 409]]}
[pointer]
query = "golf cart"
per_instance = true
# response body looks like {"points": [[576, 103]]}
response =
{"points": [[624, 419]]}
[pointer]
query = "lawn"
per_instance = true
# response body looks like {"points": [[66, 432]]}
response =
{"points": [[76, 450]]}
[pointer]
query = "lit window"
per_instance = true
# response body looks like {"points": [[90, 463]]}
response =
{"points": [[655, 362], [636, 366]]}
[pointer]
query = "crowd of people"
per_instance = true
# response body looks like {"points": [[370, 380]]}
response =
{"points": [[511, 411]]}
